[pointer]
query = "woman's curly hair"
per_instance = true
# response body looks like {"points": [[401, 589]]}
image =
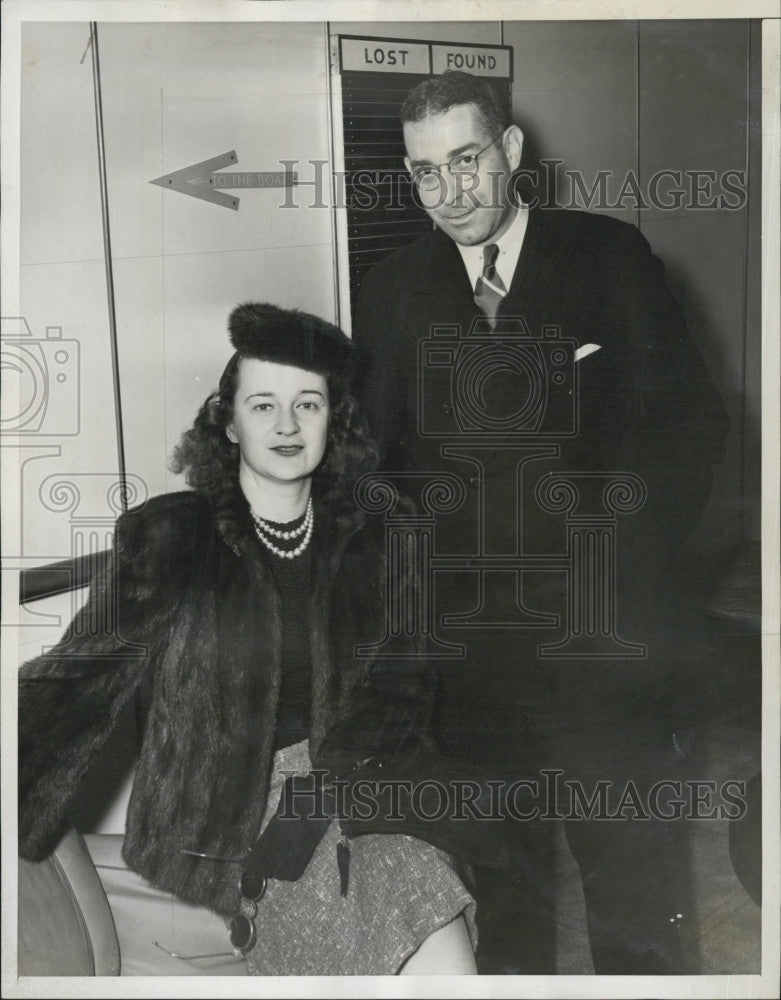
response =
{"points": [[210, 462]]}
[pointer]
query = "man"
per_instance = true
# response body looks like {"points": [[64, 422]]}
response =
{"points": [[630, 402]]}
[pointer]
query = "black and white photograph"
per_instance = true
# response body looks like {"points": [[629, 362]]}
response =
{"points": [[390, 498]]}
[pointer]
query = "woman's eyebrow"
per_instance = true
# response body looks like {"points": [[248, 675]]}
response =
{"points": [[271, 395]]}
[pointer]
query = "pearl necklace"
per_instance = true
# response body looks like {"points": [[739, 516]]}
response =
{"points": [[307, 525]]}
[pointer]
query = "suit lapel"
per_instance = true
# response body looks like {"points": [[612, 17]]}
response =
{"points": [[444, 289], [534, 270], [443, 294]]}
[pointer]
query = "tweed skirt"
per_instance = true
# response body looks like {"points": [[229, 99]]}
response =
{"points": [[400, 891]]}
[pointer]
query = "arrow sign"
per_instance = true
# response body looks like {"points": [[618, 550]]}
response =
{"points": [[202, 181]]}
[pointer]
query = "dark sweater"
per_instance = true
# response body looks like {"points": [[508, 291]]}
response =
{"points": [[293, 578]]}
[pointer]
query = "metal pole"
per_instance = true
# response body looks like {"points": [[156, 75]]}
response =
{"points": [[93, 31]]}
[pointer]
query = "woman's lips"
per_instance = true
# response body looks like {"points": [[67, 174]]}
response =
{"points": [[288, 449]]}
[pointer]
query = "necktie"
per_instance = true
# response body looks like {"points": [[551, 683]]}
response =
{"points": [[490, 290]]}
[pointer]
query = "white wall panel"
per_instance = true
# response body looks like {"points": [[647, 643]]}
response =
{"points": [[60, 199], [62, 280], [175, 95], [259, 129]]}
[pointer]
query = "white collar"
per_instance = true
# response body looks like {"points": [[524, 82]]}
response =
{"points": [[509, 243]]}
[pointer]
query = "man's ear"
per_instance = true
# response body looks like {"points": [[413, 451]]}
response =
{"points": [[513, 146], [230, 434], [407, 164]]}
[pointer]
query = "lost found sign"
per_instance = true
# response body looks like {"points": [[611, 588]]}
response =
{"points": [[399, 55]]}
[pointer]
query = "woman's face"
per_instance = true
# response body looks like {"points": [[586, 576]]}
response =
{"points": [[280, 420]]}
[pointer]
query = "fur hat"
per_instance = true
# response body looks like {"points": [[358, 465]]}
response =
{"points": [[291, 337]]}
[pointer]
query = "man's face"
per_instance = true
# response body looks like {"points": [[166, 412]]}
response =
{"points": [[471, 209]]}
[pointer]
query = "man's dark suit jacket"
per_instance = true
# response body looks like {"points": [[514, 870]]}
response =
{"points": [[645, 402]]}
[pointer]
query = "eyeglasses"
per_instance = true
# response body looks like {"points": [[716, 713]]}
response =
{"points": [[429, 178], [242, 932]]}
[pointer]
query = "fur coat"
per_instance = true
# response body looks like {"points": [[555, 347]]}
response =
{"points": [[189, 606]]}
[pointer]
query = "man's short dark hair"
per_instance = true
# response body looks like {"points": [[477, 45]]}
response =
{"points": [[439, 94]]}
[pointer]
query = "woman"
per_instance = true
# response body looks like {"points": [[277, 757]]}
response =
{"points": [[242, 602]]}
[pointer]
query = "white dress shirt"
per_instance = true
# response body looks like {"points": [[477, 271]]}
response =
{"points": [[509, 243]]}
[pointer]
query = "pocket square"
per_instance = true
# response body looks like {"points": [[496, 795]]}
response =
{"points": [[585, 350]]}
